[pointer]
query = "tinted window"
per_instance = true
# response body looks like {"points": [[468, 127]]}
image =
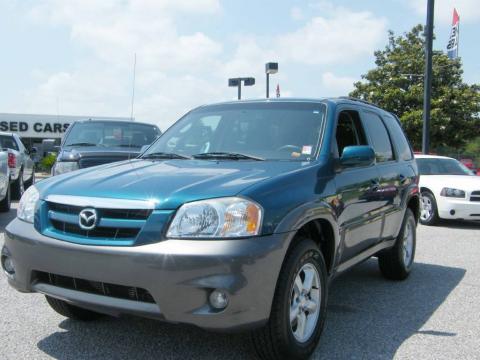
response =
{"points": [[7, 142], [349, 131], [439, 166], [276, 130], [379, 137], [398, 138], [111, 134]]}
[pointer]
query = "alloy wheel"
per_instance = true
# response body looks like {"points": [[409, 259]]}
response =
{"points": [[305, 302]]}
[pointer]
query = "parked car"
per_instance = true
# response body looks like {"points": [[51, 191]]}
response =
{"points": [[22, 169], [4, 182], [449, 190], [96, 142], [238, 217]]}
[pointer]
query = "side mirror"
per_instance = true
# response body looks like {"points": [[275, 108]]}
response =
{"points": [[361, 155], [33, 150], [144, 148]]}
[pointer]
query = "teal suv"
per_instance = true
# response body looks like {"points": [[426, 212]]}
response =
{"points": [[236, 218]]}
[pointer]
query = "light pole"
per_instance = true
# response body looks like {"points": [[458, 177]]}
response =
{"points": [[428, 78], [247, 81], [270, 68]]}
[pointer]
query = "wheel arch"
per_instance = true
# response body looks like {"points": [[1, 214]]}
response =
{"points": [[317, 222]]}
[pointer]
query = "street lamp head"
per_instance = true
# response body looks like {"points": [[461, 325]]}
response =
{"points": [[271, 68], [249, 81], [233, 82]]}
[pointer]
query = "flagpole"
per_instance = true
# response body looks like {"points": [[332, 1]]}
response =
{"points": [[427, 87]]}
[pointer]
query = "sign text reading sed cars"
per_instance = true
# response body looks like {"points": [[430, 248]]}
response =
{"points": [[38, 127]]}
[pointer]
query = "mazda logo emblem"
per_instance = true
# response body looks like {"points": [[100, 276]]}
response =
{"points": [[87, 219]]}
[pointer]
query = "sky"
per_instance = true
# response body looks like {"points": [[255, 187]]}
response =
{"points": [[77, 57]]}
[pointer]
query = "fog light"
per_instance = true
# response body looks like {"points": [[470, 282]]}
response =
{"points": [[218, 299], [7, 265], [452, 212]]}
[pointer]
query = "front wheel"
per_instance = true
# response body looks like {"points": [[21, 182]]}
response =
{"points": [[396, 263], [71, 311], [429, 211], [299, 306]]}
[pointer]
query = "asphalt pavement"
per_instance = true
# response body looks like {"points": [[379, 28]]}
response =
{"points": [[435, 314]]}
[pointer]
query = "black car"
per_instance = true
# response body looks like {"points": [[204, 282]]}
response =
{"points": [[96, 142]]}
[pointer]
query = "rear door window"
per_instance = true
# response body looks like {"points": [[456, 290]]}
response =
{"points": [[379, 137]]}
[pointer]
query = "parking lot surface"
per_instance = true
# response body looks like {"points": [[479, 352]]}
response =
{"points": [[435, 314]]}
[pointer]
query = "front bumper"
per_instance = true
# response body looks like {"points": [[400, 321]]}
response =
{"points": [[451, 208], [179, 274]]}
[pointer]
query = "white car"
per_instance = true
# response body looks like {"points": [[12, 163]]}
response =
{"points": [[449, 190]]}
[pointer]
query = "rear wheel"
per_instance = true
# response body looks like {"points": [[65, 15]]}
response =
{"points": [[31, 181], [429, 211], [72, 311], [6, 202], [299, 306], [396, 263], [18, 187]]}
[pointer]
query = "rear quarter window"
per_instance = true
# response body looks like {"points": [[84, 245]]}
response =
{"points": [[398, 137]]}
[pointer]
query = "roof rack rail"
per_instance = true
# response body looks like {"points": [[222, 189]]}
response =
{"points": [[359, 100]]}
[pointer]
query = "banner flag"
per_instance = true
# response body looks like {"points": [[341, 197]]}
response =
{"points": [[278, 90], [452, 47]]}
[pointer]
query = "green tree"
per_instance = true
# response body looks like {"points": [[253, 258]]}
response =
{"points": [[396, 84]]}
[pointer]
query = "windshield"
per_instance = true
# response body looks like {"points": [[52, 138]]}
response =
{"points": [[437, 166], [111, 134], [271, 130]]}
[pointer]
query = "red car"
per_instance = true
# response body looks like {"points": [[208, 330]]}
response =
{"points": [[471, 165]]}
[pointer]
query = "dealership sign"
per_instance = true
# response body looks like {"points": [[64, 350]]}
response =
{"points": [[34, 129], [42, 126]]}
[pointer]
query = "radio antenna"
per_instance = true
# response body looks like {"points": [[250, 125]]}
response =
{"points": [[133, 85]]}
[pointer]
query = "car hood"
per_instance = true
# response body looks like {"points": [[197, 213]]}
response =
{"points": [[462, 182], [167, 183]]}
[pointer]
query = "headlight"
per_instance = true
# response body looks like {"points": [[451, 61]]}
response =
{"points": [[217, 218], [449, 192], [62, 167], [26, 206]]}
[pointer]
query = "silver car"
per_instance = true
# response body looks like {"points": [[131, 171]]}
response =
{"points": [[22, 170]]}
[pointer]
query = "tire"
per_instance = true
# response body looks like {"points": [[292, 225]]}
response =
{"points": [[280, 337], [31, 181], [396, 263], [18, 187], [429, 211], [7, 201], [71, 311]]}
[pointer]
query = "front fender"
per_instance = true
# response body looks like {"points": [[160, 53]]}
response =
{"points": [[317, 210]]}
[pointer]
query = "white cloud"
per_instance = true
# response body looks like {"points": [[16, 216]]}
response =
{"points": [[177, 70], [296, 13], [337, 85], [469, 10], [339, 38]]}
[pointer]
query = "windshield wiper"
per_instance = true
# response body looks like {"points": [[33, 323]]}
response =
{"points": [[164, 155], [83, 144], [130, 145], [226, 155]]}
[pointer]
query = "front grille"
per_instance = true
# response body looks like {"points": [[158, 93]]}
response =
{"points": [[475, 196], [95, 161], [112, 224], [134, 214], [94, 287], [98, 232]]}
